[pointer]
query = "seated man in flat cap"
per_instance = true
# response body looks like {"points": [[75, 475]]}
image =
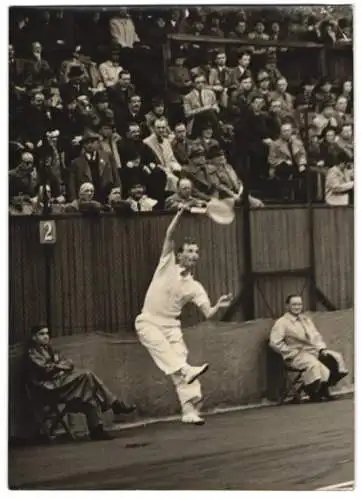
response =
{"points": [[56, 378]]}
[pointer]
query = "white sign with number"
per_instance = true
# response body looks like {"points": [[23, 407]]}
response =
{"points": [[47, 230]]}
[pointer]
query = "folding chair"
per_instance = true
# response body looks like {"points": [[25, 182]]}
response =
{"points": [[48, 415], [292, 385], [288, 379]]}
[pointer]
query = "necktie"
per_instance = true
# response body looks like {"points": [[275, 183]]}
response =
{"points": [[201, 100], [291, 152], [139, 206], [222, 76], [304, 328]]}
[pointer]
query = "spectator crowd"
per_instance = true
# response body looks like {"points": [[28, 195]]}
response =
{"points": [[97, 122]]}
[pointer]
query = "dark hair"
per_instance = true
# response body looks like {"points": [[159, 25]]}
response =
{"points": [[157, 101], [329, 129], [188, 240], [342, 157], [292, 296], [133, 96], [255, 97]]}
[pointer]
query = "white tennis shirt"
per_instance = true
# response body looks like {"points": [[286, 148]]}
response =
{"points": [[169, 291]]}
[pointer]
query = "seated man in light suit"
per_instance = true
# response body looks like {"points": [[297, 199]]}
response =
{"points": [[158, 150], [295, 337], [200, 105]]}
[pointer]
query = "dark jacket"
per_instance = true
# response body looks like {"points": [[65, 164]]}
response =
{"points": [[80, 172]]}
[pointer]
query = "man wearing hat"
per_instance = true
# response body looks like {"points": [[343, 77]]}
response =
{"points": [[94, 166], [229, 185], [157, 113], [110, 69], [206, 139], [323, 94], [101, 107], [75, 85], [109, 141]]}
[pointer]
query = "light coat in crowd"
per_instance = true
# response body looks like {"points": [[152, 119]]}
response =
{"points": [[280, 153], [338, 184], [194, 104], [164, 154]]}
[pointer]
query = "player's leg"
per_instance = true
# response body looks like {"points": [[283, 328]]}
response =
{"points": [[189, 394], [154, 338]]}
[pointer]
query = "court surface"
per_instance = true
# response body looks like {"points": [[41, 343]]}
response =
{"points": [[303, 447]]}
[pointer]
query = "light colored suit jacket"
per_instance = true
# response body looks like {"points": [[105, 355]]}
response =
{"points": [[167, 160], [193, 105], [338, 184], [279, 152], [291, 335]]}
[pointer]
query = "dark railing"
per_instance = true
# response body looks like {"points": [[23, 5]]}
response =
{"points": [[100, 267], [301, 59]]}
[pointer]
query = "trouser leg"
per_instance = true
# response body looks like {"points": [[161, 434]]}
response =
{"points": [[189, 395], [162, 352]]}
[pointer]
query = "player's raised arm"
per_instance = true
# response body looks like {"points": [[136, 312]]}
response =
{"points": [[168, 244]]}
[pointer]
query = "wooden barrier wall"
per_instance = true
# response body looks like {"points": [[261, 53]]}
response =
{"points": [[101, 266]]}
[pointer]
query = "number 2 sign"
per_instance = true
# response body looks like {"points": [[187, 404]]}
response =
{"points": [[47, 231]]}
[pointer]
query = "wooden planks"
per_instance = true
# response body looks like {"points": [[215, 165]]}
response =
{"points": [[102, 266]]}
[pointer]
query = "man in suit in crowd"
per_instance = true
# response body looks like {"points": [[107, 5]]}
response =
{"points": [[120, 93], [92, 166], [220, 79], [286, 99], [184, 196], [181, 145], [287, 160], [158, 150], [241, 69], [132, 114], [200, 105], [339, 182]]}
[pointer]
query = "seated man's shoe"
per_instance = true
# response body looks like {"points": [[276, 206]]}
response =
{"points": [[192, 418], [191, 373], [99, 434], [325, 394], [118, 408]]}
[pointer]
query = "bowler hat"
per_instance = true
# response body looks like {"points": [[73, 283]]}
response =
{"points": [[214, 152], [90, 136], [75, 71]]}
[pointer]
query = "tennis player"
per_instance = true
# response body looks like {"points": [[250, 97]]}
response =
{"points": [[158, 325]]}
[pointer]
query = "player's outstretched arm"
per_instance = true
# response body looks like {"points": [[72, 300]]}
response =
{"points": [[168, 244], [223, 302]]}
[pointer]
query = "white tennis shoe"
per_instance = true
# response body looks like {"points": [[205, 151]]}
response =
{"points": [[191, 373], [192, 418]]}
